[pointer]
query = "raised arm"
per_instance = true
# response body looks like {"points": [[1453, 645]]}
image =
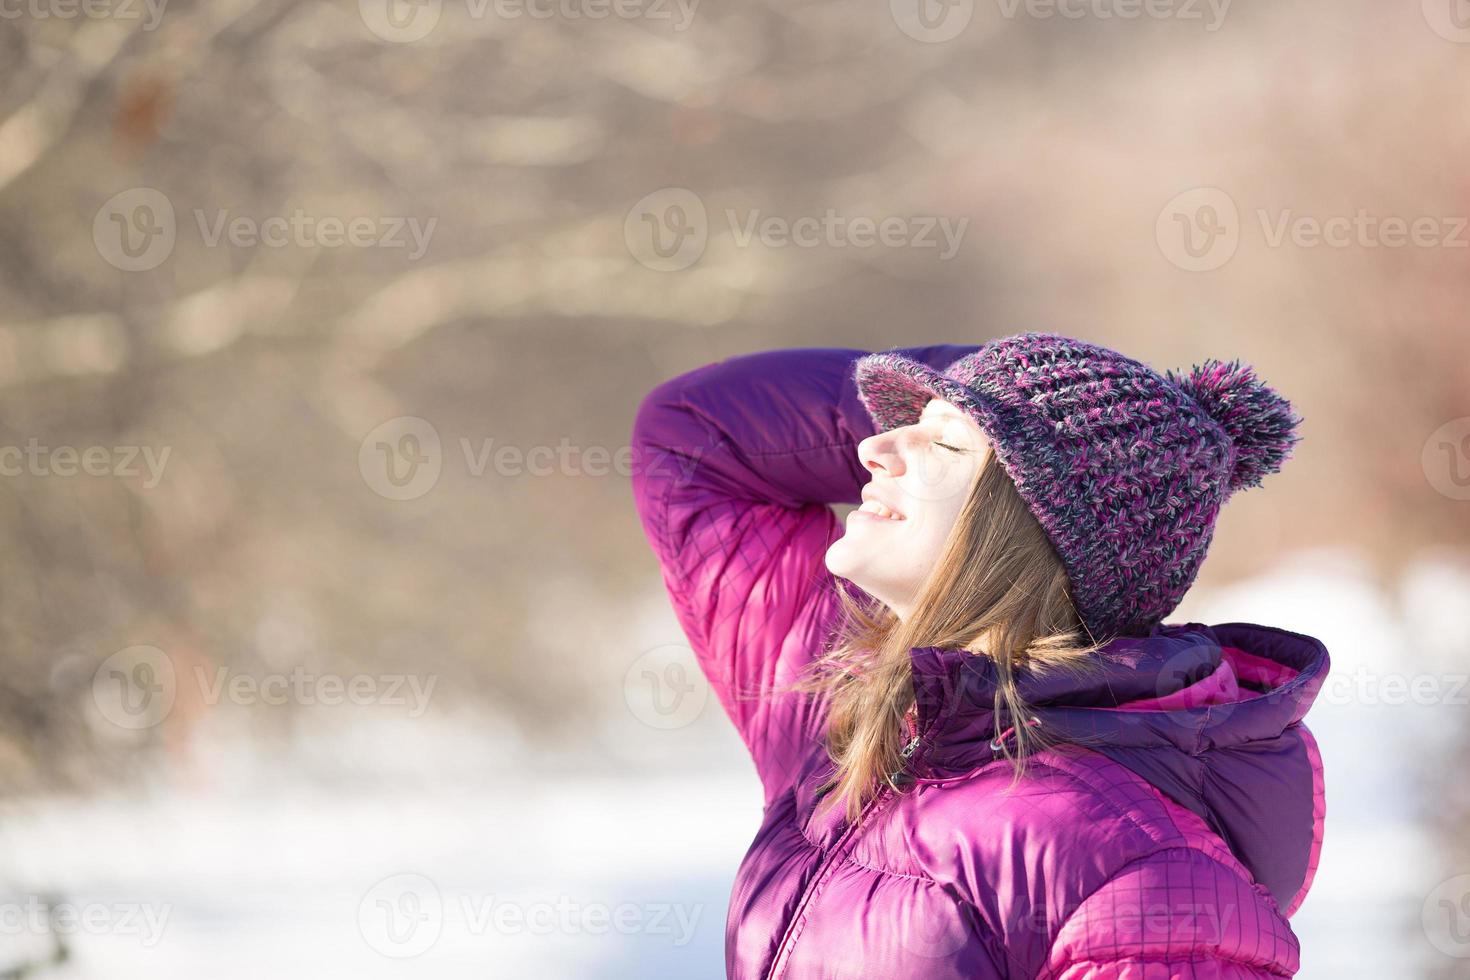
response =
{"points": [[734, 466]]}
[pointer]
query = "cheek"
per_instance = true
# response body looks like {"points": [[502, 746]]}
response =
{"points": [[937, 484], [933, 513], [930, 529]]}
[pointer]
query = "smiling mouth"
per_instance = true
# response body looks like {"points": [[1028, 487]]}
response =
{"points": [[873, 508]]}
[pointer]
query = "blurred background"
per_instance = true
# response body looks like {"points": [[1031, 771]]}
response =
{"points": [[330, 644]]}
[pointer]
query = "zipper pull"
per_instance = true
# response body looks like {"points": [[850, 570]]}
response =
{"points": [[899, 777], [908, 749]]}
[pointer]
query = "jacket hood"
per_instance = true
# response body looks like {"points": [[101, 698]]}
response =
{"points": [[1208, 715]]}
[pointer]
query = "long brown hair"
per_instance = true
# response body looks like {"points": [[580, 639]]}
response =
{"points": [[998, 590]]}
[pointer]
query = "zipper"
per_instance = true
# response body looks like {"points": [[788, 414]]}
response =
{"points": [[783, 951], [904, 754], [885, 792], [908, 749]]}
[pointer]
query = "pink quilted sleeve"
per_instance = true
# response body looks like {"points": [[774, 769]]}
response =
{"points": [[735, 464], [1177, 913]]}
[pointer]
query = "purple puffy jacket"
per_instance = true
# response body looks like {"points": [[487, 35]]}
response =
{"points": [[1175, 845]]}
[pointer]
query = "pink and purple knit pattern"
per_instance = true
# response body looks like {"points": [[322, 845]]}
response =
{"points": [[1125, 469]]}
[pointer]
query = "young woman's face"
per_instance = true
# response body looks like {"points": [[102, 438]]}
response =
{"points": [[921, 476]]}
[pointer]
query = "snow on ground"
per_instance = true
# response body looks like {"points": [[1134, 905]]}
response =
{"points": [[444, 847]]}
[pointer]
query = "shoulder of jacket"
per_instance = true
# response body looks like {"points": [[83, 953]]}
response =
{"points": [[1073, 820], [1027, 855]]}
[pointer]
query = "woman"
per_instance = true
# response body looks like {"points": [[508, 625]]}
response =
{"points": [[983, 753]]}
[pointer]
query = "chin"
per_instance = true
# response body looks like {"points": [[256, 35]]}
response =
{"points": [[846, 560], [845, 563], [838, 560]]}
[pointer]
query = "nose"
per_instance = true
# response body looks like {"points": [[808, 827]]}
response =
{"points": [[880, 453]]}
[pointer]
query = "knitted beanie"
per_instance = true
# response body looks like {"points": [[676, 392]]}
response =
{"points": [[1124, 468]]}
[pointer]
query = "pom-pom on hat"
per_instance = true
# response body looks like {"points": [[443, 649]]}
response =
{"points": [[1125, 469]]}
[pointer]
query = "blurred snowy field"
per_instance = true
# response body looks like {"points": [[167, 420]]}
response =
{"points": [[446, 847]]}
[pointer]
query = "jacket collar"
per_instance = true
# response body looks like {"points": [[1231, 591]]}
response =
{"points": [[1244, 764], [955, 690]]}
